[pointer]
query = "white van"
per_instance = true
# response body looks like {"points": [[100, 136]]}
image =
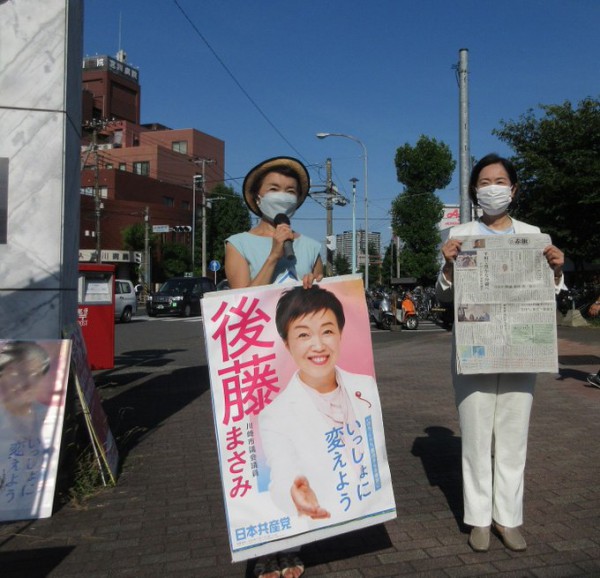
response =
{"points": [[125, 300]]}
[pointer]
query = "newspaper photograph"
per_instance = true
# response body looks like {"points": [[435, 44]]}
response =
{"points": [[504, 305]]}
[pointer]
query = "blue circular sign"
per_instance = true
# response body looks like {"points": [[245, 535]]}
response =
{"points": [[214, 266]]}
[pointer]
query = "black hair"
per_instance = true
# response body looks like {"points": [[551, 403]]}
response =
{"points": [[298, 302], [491, 159], [20, 351]]}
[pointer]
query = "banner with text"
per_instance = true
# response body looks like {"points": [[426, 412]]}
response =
{"points": [[297, 414], [33, 387]]}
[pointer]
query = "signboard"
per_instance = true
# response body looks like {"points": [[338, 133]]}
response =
{"points": [[450, 218], [301, 442], [161, 228], [33, 388]]}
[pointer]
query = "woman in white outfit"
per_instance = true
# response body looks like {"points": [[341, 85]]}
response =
{"points": [[493, 409]]}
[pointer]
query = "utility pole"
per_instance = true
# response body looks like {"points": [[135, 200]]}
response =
{"points": [[329, 212], [95, 126], [353, 180], [147, 249], [197, 181], [97, 201], [203, 162], [465, 156]]}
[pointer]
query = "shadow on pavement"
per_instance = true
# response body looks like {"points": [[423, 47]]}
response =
{"points": [[356, 543], [440, 455]]}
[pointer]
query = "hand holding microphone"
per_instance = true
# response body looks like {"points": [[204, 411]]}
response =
{"points": [[288, 245]]}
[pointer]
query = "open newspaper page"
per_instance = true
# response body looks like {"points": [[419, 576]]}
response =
{"points": [[504, 305], [279, 437]]}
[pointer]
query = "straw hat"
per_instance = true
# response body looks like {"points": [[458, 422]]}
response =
{"points": [[256, 174]]}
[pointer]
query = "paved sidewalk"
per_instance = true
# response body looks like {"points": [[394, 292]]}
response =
{"points": [[166, 518]]}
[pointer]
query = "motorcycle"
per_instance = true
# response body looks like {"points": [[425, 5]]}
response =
{"points": [[385, 311]]}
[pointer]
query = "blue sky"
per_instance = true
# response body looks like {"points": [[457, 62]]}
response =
{"points": [[266, 75]]}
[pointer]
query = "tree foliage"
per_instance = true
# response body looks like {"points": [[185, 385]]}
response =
{"points": [[134, 237], [416, 212], [175, 260], [557, 157], [341, 265], [227, 215]]}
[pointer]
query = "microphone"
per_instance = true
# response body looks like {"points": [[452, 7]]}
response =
{"points": [[288, 248]]}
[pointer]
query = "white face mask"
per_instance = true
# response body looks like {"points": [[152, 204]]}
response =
{"points": [[276, 202], [494, 199]]}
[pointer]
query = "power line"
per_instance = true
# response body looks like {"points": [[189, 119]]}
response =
{"points": [[237, 82]]}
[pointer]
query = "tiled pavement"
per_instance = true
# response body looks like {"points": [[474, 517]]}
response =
{"points": [[165, 517]]}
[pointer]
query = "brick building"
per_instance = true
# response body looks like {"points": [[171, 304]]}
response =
{"points": [[130, 170]]}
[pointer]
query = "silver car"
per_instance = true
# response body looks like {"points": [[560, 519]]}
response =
{"points": [[125, 300]]}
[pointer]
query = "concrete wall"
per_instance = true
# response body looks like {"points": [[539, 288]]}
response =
{"points": [[40, 125]]}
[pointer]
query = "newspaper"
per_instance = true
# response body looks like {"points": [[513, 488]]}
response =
{"points": [[504, 305]]}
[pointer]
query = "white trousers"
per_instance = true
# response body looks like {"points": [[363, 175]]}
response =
{"points": [[494, 415]]}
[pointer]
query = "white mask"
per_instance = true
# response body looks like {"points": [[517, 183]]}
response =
{"points": [[494, 199], [276, 202]]}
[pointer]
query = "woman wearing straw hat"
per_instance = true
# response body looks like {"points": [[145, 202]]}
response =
{"points": [[273, 190]]}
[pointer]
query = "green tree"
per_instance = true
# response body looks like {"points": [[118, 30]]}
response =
{"points": [[557, 157], [341, 265], [176, 259], [134, 237], [226, 214], [416, 212]]}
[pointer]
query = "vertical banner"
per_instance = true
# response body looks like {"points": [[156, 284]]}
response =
{"points": [[33, 387], [297, 414]]}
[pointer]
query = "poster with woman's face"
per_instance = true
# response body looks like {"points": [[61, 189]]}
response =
{"points": [[297, 413], [33, 386]]}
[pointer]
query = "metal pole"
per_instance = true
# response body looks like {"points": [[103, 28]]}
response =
{"points": [[97, 201], [203, 162], [194, 225], [329, 213], [323, 135], [465, 156], [147, 249], [366, 216], [353, 180]]}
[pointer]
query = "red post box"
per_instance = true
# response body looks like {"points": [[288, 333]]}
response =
{"points": [[96, 313]]}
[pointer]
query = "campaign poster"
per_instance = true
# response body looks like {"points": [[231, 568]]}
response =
{"points": [[297, 414], [33, 387]]}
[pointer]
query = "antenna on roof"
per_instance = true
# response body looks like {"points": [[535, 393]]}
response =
{"points": [[121, 54]]}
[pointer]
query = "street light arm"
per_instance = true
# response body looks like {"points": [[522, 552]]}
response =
{"points": [[323, 135]]}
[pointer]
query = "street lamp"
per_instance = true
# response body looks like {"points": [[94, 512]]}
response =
{"points": [[323, 135], [353, 180]]}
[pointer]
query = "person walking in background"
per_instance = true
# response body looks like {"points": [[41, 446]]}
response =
{"points": [[493, 409], [273, 190], [594, 311]]}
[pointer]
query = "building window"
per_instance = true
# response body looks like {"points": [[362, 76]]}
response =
{"points": [[122, 166], [141, 168], [180, 146], [109, 165], [169, 201], [91, 191], [185, 204]]}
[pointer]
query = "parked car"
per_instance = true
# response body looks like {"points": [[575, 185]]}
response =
{"points": [[125, 300], [179, 295]]}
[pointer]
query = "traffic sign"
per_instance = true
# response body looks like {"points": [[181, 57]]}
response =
{"points": [[160, 228], [214, 266]]}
